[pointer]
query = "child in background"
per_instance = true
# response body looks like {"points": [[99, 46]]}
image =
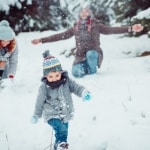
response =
{"points": [[8, 51], [54, 100]]}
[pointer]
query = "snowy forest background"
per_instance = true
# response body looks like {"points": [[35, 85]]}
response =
{"points": [[40, 15]]}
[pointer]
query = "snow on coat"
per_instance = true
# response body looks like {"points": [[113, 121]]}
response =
{"points": [[57, 102]]}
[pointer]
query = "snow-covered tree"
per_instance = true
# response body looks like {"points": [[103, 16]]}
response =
{"points": [[126, 10], [33, 15], [37, 15]]}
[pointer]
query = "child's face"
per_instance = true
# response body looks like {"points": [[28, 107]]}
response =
{"points": [[53, 76], [5, 43]]}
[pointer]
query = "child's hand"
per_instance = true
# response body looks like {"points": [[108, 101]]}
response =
{"points": [[86, 96], [7, 55], [34, 119], [11, 76]]}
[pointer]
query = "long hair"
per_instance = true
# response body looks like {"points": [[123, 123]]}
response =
{"points": [[11, 46]]}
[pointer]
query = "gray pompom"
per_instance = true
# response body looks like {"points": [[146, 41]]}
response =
{"points": [[46, 53], [4, 23]]}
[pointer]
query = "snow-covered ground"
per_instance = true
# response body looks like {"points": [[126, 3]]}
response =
{"points": [[117, 117]]}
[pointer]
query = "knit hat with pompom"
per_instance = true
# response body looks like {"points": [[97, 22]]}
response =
{"points": [[50, 63], [6, 32]]}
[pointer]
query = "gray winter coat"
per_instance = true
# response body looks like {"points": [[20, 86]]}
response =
{"points": [[12, 62], [57, 102]]}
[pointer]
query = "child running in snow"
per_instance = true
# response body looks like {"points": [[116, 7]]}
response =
{"points": [[54, 100]]}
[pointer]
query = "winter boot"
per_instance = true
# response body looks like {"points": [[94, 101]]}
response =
{"points": [[1, 83], [62, 146], [0, 80], [55, 146], [1, 74]]}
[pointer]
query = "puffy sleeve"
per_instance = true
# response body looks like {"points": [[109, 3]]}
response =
{"points": [[40, 100], [111, 30], [60, 36], [76, 88], [13, 61]]}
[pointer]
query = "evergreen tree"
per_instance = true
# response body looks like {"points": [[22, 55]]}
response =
{"points": [[125, 10], [36, 16], [41, 15]]}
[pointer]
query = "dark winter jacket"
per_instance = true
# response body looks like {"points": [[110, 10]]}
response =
{"points": [[57, 102], [87, 37]]}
